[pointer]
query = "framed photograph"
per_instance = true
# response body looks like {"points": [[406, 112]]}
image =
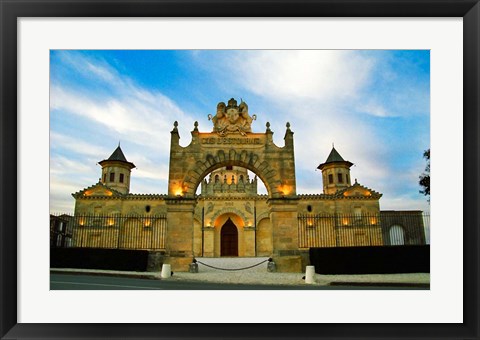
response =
{"points": [[50, 48]]}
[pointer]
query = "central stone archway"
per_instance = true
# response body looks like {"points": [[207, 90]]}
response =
{"points": [[231, 143], [274, 165]]}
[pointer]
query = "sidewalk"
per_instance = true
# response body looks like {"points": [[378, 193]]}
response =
{"points": [[264, 277]]}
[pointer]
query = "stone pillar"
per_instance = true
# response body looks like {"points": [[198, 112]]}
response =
{"points": [[155, 261], [284, 218], [249, 236], [179, 243], [209, 242]]}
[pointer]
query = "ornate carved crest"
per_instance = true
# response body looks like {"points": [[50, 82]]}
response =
{"points": [[232, 118]]}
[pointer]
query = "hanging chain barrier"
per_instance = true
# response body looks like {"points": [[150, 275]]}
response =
{"points": [[231, 269]]}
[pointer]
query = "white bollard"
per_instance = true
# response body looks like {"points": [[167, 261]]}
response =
{"points": [[166, 271], [310, 274]]}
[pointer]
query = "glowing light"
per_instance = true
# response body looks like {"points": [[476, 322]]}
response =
{"points": [[178, 191], [110, 222], [285, 189], [81, 222], [345, 221], [373, 221], [91, 193], [147, 222]]}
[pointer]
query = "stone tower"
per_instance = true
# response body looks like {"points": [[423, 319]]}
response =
{"points": [[116, 171], [335, 173]]}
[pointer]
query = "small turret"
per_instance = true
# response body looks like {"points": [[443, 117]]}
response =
{"points": [[116, 171], [335, 173]]}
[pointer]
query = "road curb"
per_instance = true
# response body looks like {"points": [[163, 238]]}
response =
{"points": [[381, 284], [152, 276]]}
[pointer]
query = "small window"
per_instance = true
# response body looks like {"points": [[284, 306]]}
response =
{"points": [[104, 178], [229, 167], [121, 178], [309, 208], [241, 178], [148, 208], [330, 179], [340, 178], [112, 177], [233, 179], [348, 180], [217, 178]]}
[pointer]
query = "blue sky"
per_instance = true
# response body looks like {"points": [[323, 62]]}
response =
{"points": [[374, 105]]}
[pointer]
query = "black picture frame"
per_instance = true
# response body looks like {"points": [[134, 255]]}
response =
{"points": [[11, 10]]}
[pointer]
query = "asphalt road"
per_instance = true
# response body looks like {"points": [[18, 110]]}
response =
{"points": [[98, 282]]}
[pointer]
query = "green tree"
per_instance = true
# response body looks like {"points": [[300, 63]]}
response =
{"points": [[425, 177]]}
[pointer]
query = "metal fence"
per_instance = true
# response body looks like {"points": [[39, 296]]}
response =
{"points": [[346, 230], [314, 230], [116, 231]]}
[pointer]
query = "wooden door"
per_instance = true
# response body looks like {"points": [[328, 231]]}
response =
{"points": [[229, 239]]}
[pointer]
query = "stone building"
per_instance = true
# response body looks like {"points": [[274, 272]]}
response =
{"points": [[228, 217]]}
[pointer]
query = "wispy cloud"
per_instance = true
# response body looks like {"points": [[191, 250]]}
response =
{"points": [[128, 117], [87, 67], [58, 140], [62, 165], [310, 75]]}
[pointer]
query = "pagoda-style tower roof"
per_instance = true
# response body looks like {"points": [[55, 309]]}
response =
{"points": [[117, 156], [334, 157]]}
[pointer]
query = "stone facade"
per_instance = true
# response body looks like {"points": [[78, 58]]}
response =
{"points": [[217, 161]]}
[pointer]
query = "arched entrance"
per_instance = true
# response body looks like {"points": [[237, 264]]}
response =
{"points": [[229, 239]]}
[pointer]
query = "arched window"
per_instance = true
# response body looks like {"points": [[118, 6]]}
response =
{"points": [[217, 178], [233, 179], [397, 235], [241, 178]]}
